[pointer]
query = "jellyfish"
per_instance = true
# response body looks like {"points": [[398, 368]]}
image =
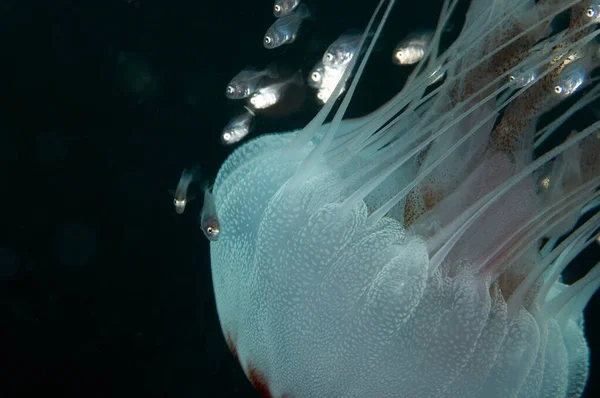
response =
{"points": [[418, 250]]}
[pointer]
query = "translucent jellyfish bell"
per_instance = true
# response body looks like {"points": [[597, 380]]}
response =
{"points": [[403, 253]]}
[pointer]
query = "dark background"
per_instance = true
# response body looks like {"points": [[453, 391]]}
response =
{"points": [[105, 290]]}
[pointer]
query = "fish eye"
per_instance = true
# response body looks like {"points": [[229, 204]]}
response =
{"points": [[227, 136], [212, 233], [230, 89], [329, 56], [277, 8], [268, 40], [558, 89], [512, 77], [590, 12], [322, 96], [316, 76]]}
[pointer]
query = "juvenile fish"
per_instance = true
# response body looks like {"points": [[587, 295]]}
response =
{"points": [[285, 29], [325, 78], [237, 128], [412, 49], [341, 51], [181, 193], [245, 83], [570, 79], [270, 94], [331, 79], [208, 216], [284, 7], [523, 77]]}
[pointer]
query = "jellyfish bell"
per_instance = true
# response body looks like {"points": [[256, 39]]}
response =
{"points": [[400, 253]]}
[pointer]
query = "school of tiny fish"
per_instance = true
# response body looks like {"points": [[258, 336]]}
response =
{"points": [[259, 89], [262, 88]]}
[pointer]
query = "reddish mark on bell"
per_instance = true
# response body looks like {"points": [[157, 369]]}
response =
{"points": [[259, 381], [232, 347]]}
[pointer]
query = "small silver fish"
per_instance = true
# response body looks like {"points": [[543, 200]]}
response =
{"points": [[269, 95], [284, 7], [325, 78], [237, 128], [523, 77], [329, 80], [181, 192], [412, 48], [245, 83], [285, 29], [570, 79], [341, 51], [208, 216]]}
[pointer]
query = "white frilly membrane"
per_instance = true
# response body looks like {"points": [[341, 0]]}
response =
{"points": [[418, 251]]}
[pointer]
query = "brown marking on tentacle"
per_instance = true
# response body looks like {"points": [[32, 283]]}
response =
{"points": [[414, 206], [522, 114]]}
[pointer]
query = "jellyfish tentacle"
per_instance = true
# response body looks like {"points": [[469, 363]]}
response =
{"points": [[316, 154], [591, 280], [552, 264], [307, 133], [332, 285], [471, 214]]}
